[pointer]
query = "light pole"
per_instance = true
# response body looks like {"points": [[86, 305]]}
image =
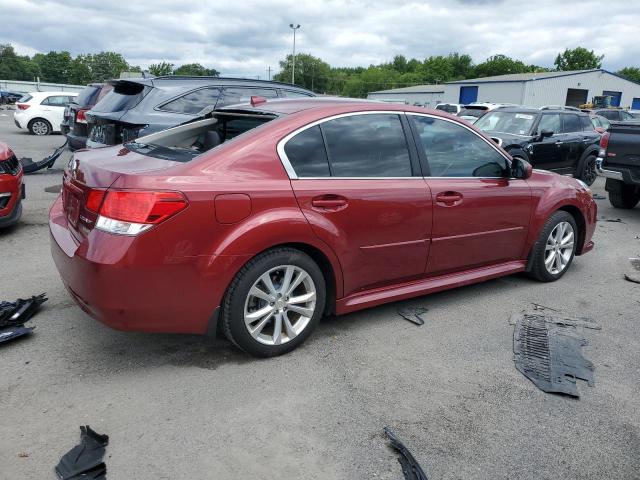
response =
{"points": [[293, 69]]}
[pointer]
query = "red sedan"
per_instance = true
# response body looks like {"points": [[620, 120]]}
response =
{"points": [[259, 219], [11, 187]]}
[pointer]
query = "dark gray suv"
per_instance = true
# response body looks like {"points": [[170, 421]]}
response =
{"points": [[140, 106]]}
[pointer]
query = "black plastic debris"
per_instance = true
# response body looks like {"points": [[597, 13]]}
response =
{"points": [[631, 279], [598, 196], [547, 350], [410, 467], [413, 314], [13, 316], [10, 333], [84, 461], [29, 166]]}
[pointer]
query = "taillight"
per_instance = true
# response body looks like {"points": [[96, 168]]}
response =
{"points": [[604, 143], [22, 106], [80, 116], [130, 212]]}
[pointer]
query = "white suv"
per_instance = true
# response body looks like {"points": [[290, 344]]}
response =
{"points": [[42, 112]]}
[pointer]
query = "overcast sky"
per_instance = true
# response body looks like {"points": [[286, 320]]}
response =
{"points": [[244, 37]]}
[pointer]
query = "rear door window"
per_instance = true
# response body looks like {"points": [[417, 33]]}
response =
{"points": [[371, 145], [292, 94], [56, 101], [586, 123], [233, 95], [193, 102], [571, 123], [307, 154], [610, 114]]}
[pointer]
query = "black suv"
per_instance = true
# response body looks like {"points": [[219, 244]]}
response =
{"points": [[138, 107], [615, 115], [74, 122], [563, 141]]}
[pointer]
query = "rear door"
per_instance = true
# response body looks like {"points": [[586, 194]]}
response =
{"points": [[572, 146], [53, 107], [480, 216], [358, 182]]}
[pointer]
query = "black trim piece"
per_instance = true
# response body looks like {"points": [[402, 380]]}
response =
{"points": [[422, 155], [410, 141]]}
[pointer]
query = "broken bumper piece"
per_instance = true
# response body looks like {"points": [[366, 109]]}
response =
{"points": [[84, 461]]}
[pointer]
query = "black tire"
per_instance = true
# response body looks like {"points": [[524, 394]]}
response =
{"points": [[39, 127], [587, 169], [538, 270], [627, 197], [233, 309]]}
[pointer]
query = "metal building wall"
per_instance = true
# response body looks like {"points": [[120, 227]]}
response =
{"points": [[553, 91], [27, 87], [498, 92]]}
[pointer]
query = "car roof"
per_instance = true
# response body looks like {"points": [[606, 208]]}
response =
{"points": [[535, 110], [188, 81]]}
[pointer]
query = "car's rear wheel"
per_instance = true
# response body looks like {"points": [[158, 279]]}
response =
{"points": [[556, 246], [39, 126], [274, 302], [627, 197], [587, 171]]}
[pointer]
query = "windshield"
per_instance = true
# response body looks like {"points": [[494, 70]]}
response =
{"points": [[472, 112], [507, 122], [87, 96]]}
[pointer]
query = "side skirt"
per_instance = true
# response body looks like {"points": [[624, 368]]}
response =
{"points": [[417, 288]]}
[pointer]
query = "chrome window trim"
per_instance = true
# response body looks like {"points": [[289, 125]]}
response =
{"points": [[287, 164], [293, 176]]}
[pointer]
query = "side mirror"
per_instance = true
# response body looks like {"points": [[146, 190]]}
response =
{"points": [[520, 168], [546, 133], [497, 141]]}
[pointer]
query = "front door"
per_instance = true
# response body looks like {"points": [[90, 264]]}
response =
{"points": [[359, 186], [480, 217], [547, 152]]}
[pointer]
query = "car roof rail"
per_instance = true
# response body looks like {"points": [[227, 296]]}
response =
{"points": [[559, 107], [236, 79]]}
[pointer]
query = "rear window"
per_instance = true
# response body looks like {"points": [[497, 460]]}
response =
{"points": [[447, 108], [25, 98], [193, 102], [88, 96], [124, 96], [292, 94], [472, 112]]}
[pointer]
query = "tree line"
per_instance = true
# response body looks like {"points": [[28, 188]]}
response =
{"points": [[61, 67], [310, 72]]}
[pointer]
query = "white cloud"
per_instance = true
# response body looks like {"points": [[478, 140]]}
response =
{"points": [[245, 37]]}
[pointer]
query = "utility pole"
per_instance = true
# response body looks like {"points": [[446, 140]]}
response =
{"points": [[269, 70], [293, 68]]}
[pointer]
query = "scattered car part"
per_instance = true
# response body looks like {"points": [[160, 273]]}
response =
{"points": [[10, 333], [410, 466], [413, 314], [631, 279], [84, 460], [635, 263], [29, 166], [547, 352], [13, 314]]}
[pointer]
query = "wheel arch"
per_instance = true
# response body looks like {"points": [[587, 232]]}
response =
{"points": [[590, 150], [30, 122]]}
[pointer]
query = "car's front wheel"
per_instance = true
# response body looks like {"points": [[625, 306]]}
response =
{"points": [[39, 126], [556, 246], [274, 302]]}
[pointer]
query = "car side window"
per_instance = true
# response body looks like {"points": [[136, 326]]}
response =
{"points": [[571, 123], [625, 115], [233, 95], [193, 102], [587, 126], [550, 121], [609, 114], [292, 94], [452, 150], [307, 154], [368, 145], [55, 101]]}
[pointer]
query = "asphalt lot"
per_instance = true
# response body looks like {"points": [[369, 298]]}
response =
{"points": [[177, 406]]}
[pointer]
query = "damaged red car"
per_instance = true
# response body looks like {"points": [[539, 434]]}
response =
{"points": [[11, 187], [257, 220]]}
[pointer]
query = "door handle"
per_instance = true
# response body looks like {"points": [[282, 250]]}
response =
{"points": [[449, 199], [329, 202]]}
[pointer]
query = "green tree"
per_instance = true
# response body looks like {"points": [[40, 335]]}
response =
{"points": [[162, 68], [54, 66], [500, 65], [80, 70], [437, 69], [106, 66], [462, 66], [578, 59], [311, 72], [16, 67], [196, 70], [630, 73], [399, 64]]}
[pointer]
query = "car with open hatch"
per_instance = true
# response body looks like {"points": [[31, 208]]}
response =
{"points": [[555, 139], [258, 219]]}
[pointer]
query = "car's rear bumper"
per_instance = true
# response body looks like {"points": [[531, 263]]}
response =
{"points": [[128, 283], [623, 174]]}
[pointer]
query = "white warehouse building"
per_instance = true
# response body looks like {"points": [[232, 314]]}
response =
{"points": [[570, 88]]}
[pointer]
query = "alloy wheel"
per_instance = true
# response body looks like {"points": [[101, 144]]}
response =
{"points": [[39, 128], [280, 305], [589, 175], [559, 248]]}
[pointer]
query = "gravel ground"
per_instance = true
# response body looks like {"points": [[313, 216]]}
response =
{"points": [[177, 406]]}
